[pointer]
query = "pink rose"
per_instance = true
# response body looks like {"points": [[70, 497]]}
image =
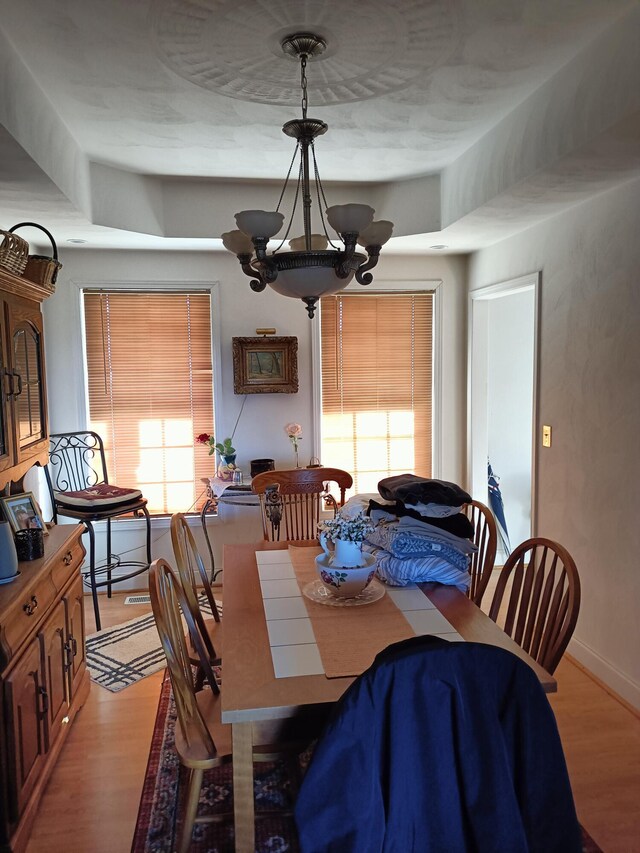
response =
{"points": [[293, 430]]}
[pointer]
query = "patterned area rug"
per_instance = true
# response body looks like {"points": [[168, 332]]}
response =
{"points": [[119, 656], [164, 791], [163, 797]]}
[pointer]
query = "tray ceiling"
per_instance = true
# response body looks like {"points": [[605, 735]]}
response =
{"points": [[443, 112]]}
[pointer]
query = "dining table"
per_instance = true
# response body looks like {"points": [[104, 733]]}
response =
{"points": [[275, 674]]}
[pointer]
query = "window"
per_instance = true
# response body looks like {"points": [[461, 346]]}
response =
{"points": [[150, 387], [376, 352]]}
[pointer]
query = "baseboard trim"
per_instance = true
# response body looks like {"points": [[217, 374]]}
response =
{"points": [[611, 679]]}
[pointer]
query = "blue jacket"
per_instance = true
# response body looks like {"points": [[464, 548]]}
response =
{"points": [[440, 748]]}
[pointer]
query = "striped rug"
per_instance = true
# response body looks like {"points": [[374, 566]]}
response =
{"points": [[123, 654]]}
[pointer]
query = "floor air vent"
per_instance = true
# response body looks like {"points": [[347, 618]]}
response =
{"points": [[145, 598]]}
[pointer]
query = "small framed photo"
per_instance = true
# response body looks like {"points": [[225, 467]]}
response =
{"points": [[22, 512], [267, 365]]}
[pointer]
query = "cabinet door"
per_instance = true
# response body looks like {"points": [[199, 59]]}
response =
{"points": [[56, 665], [6, 388], [26, 746], [27, 356], [74, 604]]}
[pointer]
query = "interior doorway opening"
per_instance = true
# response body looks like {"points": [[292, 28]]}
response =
{"points": [[503, 399]]}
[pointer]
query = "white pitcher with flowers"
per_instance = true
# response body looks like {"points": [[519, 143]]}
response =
{"points": [[341, 539], [343, 567]]}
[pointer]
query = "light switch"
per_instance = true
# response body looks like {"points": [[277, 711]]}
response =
{"points": [[546, 436]]}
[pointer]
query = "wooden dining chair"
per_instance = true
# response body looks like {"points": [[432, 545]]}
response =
{"points": [[542, 588], [196, 585], [292, 501], [202, 741], [485, 538]]}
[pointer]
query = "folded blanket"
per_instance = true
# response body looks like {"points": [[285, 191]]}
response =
{"points": [[409, 488], [400, 572], [418, 540], [458, 525], [431, 529]]}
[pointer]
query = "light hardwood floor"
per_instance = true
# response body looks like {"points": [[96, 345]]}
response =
{"points": [[91, 802]]}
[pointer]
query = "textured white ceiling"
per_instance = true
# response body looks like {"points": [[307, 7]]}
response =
{"points": [[518, 105]]}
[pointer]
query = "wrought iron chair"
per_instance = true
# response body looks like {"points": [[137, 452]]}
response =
{"points": [[80, 488], [485, 538], [292, 501], [543, 599]]}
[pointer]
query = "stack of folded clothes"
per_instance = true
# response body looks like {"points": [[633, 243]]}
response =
{"points": [[420, 532]]}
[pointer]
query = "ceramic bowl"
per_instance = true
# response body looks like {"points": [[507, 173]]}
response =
{"points": [[346, 583]]}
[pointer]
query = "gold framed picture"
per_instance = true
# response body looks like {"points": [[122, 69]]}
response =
{"points": [[266, 365], [22, 512]]}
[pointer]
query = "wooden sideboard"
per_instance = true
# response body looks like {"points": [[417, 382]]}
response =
{"points": [[44, 680]]}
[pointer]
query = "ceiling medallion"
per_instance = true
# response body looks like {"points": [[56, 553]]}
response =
{"points": [[234, 47], [310, 269]]}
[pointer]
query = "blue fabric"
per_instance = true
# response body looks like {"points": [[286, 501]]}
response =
{"points": [[408, 545], [397, 571], [440, 748]]}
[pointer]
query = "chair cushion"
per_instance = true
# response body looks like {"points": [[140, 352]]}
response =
{"points": [[97, 497]]}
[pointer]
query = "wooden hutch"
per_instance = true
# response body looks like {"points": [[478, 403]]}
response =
{"points": [[43, 675]]}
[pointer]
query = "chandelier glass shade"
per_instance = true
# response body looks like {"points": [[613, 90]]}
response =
{"points": [[313, 264]]}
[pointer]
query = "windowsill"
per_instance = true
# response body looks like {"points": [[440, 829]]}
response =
{"points": [[158, 522]]}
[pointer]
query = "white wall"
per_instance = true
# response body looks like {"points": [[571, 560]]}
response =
{"points": [[589, 386], [510, 405], [260, 432]]}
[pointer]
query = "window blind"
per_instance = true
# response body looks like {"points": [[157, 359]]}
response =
{"points": [[377, 378], [150, 385]]}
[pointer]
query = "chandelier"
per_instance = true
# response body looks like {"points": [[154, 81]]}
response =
{"points": [[314, 264]]}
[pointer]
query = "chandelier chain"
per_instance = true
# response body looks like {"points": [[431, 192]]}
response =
{"points": [[303, 84]]}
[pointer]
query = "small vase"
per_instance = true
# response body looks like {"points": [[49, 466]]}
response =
{"points": [[344, 554], [8, 554], [226, 467]]}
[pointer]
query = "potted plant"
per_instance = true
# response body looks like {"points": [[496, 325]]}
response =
{"points": [[227, 453], [226, 450], [227, 466]]}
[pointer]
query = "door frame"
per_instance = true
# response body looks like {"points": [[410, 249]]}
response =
{"points": [[477, 355]]}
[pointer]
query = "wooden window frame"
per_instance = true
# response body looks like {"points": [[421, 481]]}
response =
{"points": [[393, 287], [212, 290]]}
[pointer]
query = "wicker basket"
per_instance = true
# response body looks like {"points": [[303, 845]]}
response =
{"points": [[40, 268], [14, 252]]}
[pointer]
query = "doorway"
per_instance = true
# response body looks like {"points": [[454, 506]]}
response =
{"points": [[503, 357]]}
